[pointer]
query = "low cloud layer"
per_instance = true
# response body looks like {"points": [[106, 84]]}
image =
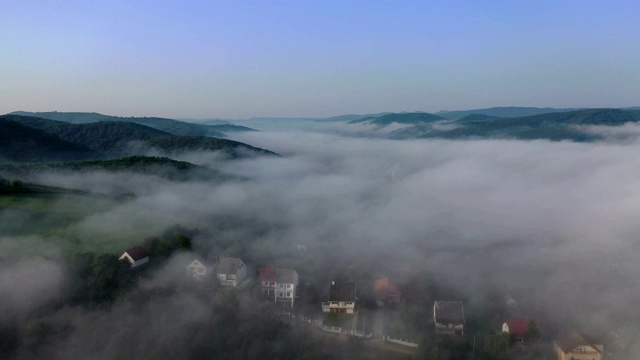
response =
{"points": [[553, 224]]}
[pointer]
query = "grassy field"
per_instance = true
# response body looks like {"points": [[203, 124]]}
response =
{"points": [[46, 214]]}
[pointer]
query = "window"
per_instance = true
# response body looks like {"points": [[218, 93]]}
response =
{"points": [[288, 286], [288, 295]]}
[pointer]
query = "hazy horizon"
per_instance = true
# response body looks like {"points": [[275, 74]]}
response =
{"points": [[311, 59]]}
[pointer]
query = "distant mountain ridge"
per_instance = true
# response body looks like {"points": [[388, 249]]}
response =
{"points": [[504, 111], [171, 126], [414, 118], [552, 126], [117, 139]]}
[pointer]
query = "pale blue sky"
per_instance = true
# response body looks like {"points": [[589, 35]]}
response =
{"points": [[237, 59]]}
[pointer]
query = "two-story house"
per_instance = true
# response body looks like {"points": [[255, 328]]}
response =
{"points": [[267, 277], [448, 317], [286, 286], [342, 298], [574, 346], [231, 271]]}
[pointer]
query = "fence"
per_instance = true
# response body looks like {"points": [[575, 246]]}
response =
{"points": [[332, 329], [399, 341]]}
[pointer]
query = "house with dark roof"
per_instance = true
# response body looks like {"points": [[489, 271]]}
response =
{"points": [[520, 328], [200, 268], [386, 292], [342, 298], [448, 317], [136, 256], [231, 271], [574, 346]]}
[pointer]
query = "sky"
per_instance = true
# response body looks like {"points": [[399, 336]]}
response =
{"points": [[240, 59]]}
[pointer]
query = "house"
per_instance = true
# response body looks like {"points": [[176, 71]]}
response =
{"points": [[267, 277], [286, 286], [386, 293], [136, 256], [231, 271], [519, 328], [200, 268], [342, 298], [448, 317], [574, 346]]}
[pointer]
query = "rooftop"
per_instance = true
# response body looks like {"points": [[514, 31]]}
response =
{"points": [[286, 276], [572, 340], [229, 266], [520, 326], [342, 292], [448, 312], [137, 253], [267, 274]]}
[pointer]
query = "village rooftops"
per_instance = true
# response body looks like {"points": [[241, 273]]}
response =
{"points": [[229, 266], [342, 292]]}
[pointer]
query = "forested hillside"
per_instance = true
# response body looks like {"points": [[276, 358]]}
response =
{"points": [[171, 126], [117, 139], [553, 126], [148, 165], [22, 143]]}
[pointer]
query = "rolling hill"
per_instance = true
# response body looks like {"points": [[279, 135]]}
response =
{"points": [[415, 118], [509, 111], [118, 139], [21, 143], [476, 118], [170, 126], [552, 126], [148, 165]]}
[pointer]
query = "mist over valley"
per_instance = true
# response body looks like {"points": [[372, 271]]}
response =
{"points": [[547, 224]]}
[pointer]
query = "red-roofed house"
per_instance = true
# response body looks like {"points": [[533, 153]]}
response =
{"points": [[267, 278], [518, 328], [386, 292], [136, 256]]}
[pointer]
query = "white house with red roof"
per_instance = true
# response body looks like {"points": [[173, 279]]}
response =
{"points": [[519, 328], [267, 277]]}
